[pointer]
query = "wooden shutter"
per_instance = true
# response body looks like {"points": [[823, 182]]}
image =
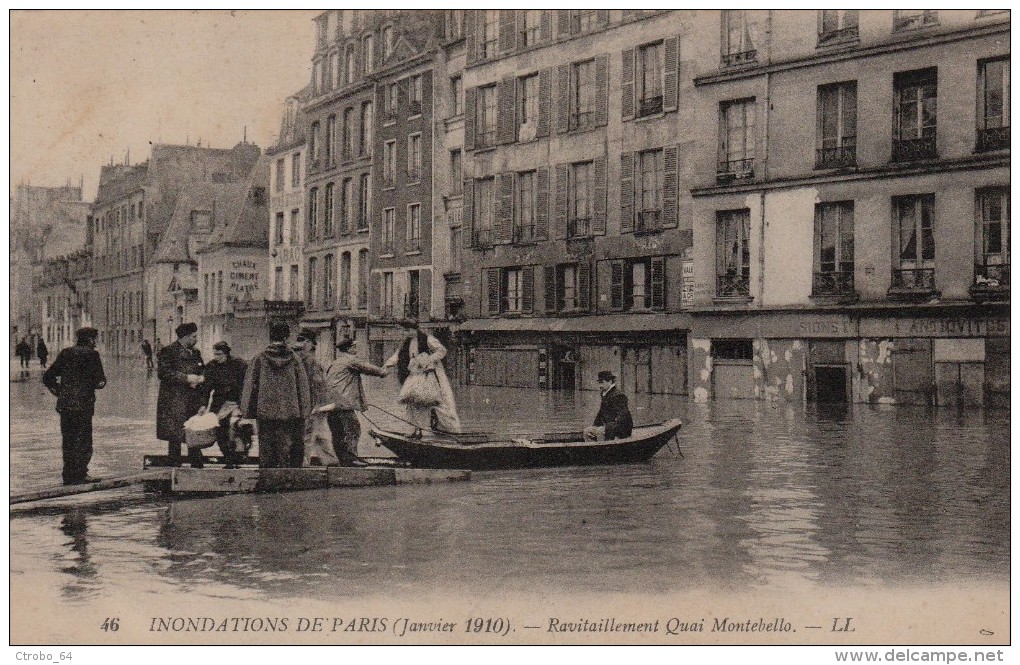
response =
{"points": [[598, 222], [545, 27], [467, 212], [670, 186], [563, 23], [602, 90], [671, 74], [544, 102], [507, 30], [528, 289], [550, 289], [626, 192], [520, 28], [506, 127], [542, 203], [492, 284], [658, 282], [377, 46], [563, 99], [561, 201], [583, 287], [504, 207], [470, 109], [471, 34], [616, 285], [375, 288], [627, 83]]}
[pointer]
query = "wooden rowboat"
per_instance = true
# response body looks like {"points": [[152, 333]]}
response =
{"points": [[480, 451]]}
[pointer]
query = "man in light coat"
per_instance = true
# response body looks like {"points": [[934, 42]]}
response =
{"points": [[345, 392]]}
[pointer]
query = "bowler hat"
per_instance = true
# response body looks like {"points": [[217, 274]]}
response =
{"points": [[186, 329]]}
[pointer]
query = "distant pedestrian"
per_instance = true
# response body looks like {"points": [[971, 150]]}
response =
{"points": [[74, 377], [276, 394], [24, 352], [224, 377], [345, 392], [42, 352], [147, 352], [180, 369]]}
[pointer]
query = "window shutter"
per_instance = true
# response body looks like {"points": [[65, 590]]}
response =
{"points": [[545, 27], [528, 289], [658, 282], [671, 69], [627, 83], [544, 101], [602, 18], [626, 192], [493, 291], [520, 26], [375, 302], [504, 207], [598, 222], [506, 128], [583, 287], [602, 90], [471, 34], [550, 289], [670, 186], [616, 285], [469, 118], [563, 99], [507, 30], [563, 22], [561, 202], [377, 46], [467, 212], [542, 203]]}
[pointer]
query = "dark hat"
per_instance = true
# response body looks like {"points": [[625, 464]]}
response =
{"points": [[307, 335], [186, 329], [606, 375], [279, 332], [345, 343], [221, 346], [85, 333]]}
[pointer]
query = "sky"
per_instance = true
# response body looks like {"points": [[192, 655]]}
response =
{"points": [[88, 86]]}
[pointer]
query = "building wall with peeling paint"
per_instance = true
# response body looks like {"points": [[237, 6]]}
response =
{"points": [[873, 372], [779, 366], [699, 362]]}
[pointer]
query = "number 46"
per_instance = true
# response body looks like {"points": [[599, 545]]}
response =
{"points": [[111, 624]]}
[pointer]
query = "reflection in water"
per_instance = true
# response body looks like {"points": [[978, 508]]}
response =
{"points": [[764, 496]]}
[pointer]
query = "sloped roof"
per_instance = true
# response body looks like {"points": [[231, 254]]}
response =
{"points": [[215, 197], [244, 221]]}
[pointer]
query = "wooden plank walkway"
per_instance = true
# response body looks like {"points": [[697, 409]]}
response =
{"points": [[106, 484]]}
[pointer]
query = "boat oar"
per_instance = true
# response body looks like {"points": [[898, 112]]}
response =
{"points": [[107, 484]]}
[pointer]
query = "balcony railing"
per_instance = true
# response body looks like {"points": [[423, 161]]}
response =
{"points": [[482, 238], [579, 227], [648, 221], [735, 169], [995, 138], [524, 233], [923, 148], [650, 106], [833, 283], [913, 279], [741, 58], [733, 286], [833, 158], [455, 217], [991, 276], [848, 34]]}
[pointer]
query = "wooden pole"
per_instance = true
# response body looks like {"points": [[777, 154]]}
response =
{"points": [[107, 484]]}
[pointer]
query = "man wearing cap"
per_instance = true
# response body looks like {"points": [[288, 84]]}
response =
{"points": [[276, 395], [613, 420], [73, 378], [224, 378], [344, 390], [305, 349], [180, 370]]}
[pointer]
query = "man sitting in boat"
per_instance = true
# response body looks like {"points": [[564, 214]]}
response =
{"points": [[613, 420]]}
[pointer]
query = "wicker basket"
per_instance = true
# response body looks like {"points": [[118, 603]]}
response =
{"points": [[200, 430]]}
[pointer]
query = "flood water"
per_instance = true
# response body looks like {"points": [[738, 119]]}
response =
{"points": [[764, 496]]}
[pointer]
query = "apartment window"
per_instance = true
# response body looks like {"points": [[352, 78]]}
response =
{"points": [[638, 284], [511, 291], [295, 216], [524, 208], [347, 205], [278, 235], [837, 26], [914, 222], [993, 104], [365, 202], [334, 69], [390, 100], [386, 296], [531, 27], [490, 33], [317, 83], [278, 283], [347, 132], [295, 281], [457, 95], [736, 139], [350, 62], [313, 144], [368, 54], [733, 253], [414, 94], [362, 278], [388, 42], [912, 19], [414, 227], [280, 175], [915, 115], [328, 281], [582, 102], [390, 163], [582, 20], [527, 107], [414, 158], [389, 222], [580, 193], [328, 210], [834, 249], [311, 290], [345, 280], [365, 137], [456, 238], [484, 209], [456, 172], [992, 265], [330, 135], [295, 170], [485, 117], [412, 299], [454, 24], [567, 287], [650, 79], [739, 38], [650, 186], [313, 212], [837, 125]]}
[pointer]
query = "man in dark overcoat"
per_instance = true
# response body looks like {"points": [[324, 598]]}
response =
{"points": [[181, 394], [74, 377], [613, 420]]}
